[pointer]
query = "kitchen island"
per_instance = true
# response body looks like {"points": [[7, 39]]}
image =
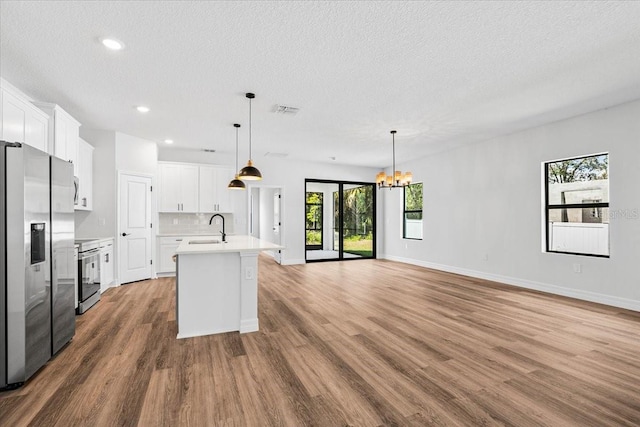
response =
{"points": [[217, 284]]}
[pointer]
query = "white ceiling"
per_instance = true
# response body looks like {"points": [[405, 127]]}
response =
{"points": [[442, 73]]}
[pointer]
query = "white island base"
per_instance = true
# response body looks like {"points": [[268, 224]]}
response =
{"points": [[217, 285]]}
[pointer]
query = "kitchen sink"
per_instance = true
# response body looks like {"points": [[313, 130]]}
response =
{"points": [[203, 242]]}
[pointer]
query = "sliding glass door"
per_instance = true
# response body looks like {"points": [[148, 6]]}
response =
{"points": [[340, 220]]}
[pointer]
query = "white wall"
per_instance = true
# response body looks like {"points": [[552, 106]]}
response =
{"points": [[266, 214], [101, 221], [290, 176], [114, 151], [136, 154], [483, 214]]}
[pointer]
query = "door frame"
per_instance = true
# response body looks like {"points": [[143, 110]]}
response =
{"points": [[154, 220], [283, 227], [341, 184]]}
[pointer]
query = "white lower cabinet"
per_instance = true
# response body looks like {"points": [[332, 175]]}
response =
{"points": [[166, 250], [107, 271]]}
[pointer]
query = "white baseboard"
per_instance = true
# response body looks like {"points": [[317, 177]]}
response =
{"points": [[292, 261], [248, 325], [613, 301], [170, 274]]}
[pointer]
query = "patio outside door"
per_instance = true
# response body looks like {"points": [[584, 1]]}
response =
{"points": [[340, 220]]}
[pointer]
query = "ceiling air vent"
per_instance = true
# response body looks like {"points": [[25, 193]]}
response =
{"points": [[277, 155], [208, 150], [283, 109]]}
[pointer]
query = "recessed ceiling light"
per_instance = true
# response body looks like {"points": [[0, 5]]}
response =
{"points": [[142, 109], [112, 44], [168, 141]]}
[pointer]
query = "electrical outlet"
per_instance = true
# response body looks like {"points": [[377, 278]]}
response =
{"points": [[102, 222], [175, 221], [486, 257], [217, 221], [248, 273], [577, 268]]}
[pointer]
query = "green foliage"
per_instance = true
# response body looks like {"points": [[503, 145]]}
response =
{"points": [[413, 197], [582, 169], [314, 211], [314, 237], [358, 211]]}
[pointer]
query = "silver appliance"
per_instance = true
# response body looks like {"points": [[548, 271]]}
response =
{"points": [[88, 273], [63, 268], [36, 295]]}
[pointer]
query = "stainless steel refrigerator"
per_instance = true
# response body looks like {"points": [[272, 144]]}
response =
{"points": [[36, 295]]}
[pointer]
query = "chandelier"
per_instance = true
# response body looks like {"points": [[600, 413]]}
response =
{"points": [[397, 178]]}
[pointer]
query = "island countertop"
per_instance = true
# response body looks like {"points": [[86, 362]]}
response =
{"points": [[233, 244]]}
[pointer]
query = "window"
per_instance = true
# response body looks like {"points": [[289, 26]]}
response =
{"points": [[412, 217], [314, 220], [577, 205]]}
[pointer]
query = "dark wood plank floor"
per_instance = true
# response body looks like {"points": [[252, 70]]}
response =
{"points": [[360, 343]]}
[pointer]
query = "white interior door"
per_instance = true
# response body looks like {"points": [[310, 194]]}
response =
{"points": [[134, 238], [277, 199]]}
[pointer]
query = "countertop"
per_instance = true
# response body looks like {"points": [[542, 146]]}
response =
{"points": [[93, 239], [233, 244], [194, 234]]}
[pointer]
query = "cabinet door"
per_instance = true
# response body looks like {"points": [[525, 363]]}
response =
{"points": [[85, 175], [223, 177], [36, 133], [73, 139], [106, 267], [167, 251], [207, 189], [189, 188], [169, 187], [60, 138], [13, 119]]}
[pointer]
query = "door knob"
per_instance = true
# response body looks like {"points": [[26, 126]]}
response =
{"points": [[125, 234]]}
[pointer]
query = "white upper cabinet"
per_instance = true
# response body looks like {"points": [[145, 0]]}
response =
{"points": [[194, 188], [214, 194], [64, 133], [21, 121], [85, 176], [178, 187]]}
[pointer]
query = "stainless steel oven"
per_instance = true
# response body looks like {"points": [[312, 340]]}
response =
{"points": [[88, 274]]}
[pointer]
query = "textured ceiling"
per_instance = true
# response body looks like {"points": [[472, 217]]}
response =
{"points": [[442, 73]]}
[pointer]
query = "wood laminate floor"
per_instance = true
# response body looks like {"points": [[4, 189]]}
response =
{"points": [[359, 343]]}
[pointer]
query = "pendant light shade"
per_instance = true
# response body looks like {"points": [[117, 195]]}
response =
{"points": [[397, 178], [250, 172], [236, 184]]}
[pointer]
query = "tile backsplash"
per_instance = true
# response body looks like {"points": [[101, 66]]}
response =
{"points": [[184, 223]]}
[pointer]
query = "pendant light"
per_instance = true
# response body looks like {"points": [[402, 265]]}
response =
{"points": [[250, 172], [236, 184], [397, 178]]}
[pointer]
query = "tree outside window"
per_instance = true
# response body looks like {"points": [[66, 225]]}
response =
{"points": [[412, 216], [314, 220]]}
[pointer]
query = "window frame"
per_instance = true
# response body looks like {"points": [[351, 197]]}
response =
{"points": [[405, 212], [548, 207]]}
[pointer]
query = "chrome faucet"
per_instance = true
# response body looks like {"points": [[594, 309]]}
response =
{"points": [[224, 235]]}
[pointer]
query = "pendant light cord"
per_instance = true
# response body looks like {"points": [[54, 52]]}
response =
{"points": [[249, 128], [394, 155], [237, 151]]}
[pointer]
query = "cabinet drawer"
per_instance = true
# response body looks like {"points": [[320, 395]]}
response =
{"points": [[172, 240]]}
